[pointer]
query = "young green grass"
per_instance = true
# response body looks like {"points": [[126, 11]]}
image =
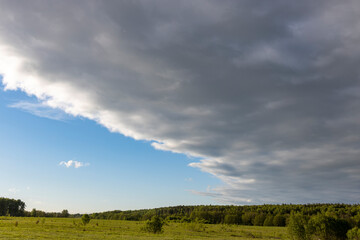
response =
{"points": [[69, 228]]}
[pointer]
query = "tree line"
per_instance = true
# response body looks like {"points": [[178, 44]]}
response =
{"points": [[16, 208], [256, 215], [11, 207], [38, 213]]}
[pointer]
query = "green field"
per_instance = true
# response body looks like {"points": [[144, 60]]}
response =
{"points": [[69, 228]]}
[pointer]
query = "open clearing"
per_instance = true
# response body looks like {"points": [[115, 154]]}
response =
{"points": [[70, 228]]}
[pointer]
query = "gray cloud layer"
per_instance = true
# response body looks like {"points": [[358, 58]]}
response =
{"points": [[267, 93]]}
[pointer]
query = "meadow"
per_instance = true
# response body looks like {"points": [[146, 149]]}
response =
{"points": [[72, 228]]}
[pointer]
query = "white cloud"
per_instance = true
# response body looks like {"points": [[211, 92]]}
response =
{"points": [[73, 163], [41, 110], [13, 190], [36, 202]]}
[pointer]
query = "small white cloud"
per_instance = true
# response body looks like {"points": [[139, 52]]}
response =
{"points": [[73, 163], [206, 194], [13, 190], [40, 109], [36, 202], [221, 197], [188, 179]]}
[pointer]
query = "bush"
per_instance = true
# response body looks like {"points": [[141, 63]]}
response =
{"points": [[196, 226], [269, 221], [297, 227], [185, 219], [154, 225], [85, 219], [353, 234], [328, 228]]}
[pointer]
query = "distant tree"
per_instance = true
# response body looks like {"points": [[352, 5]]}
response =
{"points": [[230, 219], [40, 213], [85, 219], [33, 212], [259, 219], [248, 218], [279, 220], [148, 215], [154, 225], [65, 213]]}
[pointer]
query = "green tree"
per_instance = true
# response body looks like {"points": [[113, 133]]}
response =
{"points": [[65, 213], [85, 219], [231, 219], [11, 207], [297, 227], [353, 234], [269, 221], [154, 225], [33, 212], [328, 228], [279, 220], [248, 218], [259, 219], [149, 214]]}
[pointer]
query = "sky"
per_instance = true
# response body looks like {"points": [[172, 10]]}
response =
{"points": [[137, 104]]}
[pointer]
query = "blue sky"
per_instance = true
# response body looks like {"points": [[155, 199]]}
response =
{"points": [[122, 174], [256, 103]]}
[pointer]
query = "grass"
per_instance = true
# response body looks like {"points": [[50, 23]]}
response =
{"points": [[69, 228]]}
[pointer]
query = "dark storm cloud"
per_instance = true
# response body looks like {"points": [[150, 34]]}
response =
{"points": [[267, 93]]}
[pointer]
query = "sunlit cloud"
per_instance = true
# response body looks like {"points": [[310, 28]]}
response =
{"points": [[41, 110], [13, 190], [73, 163]]}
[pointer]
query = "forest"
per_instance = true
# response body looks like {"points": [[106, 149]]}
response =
{"points": [[257, 215], [304, 221]]}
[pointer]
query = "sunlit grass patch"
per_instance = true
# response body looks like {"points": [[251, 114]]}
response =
{"points": [[70, 228]]}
